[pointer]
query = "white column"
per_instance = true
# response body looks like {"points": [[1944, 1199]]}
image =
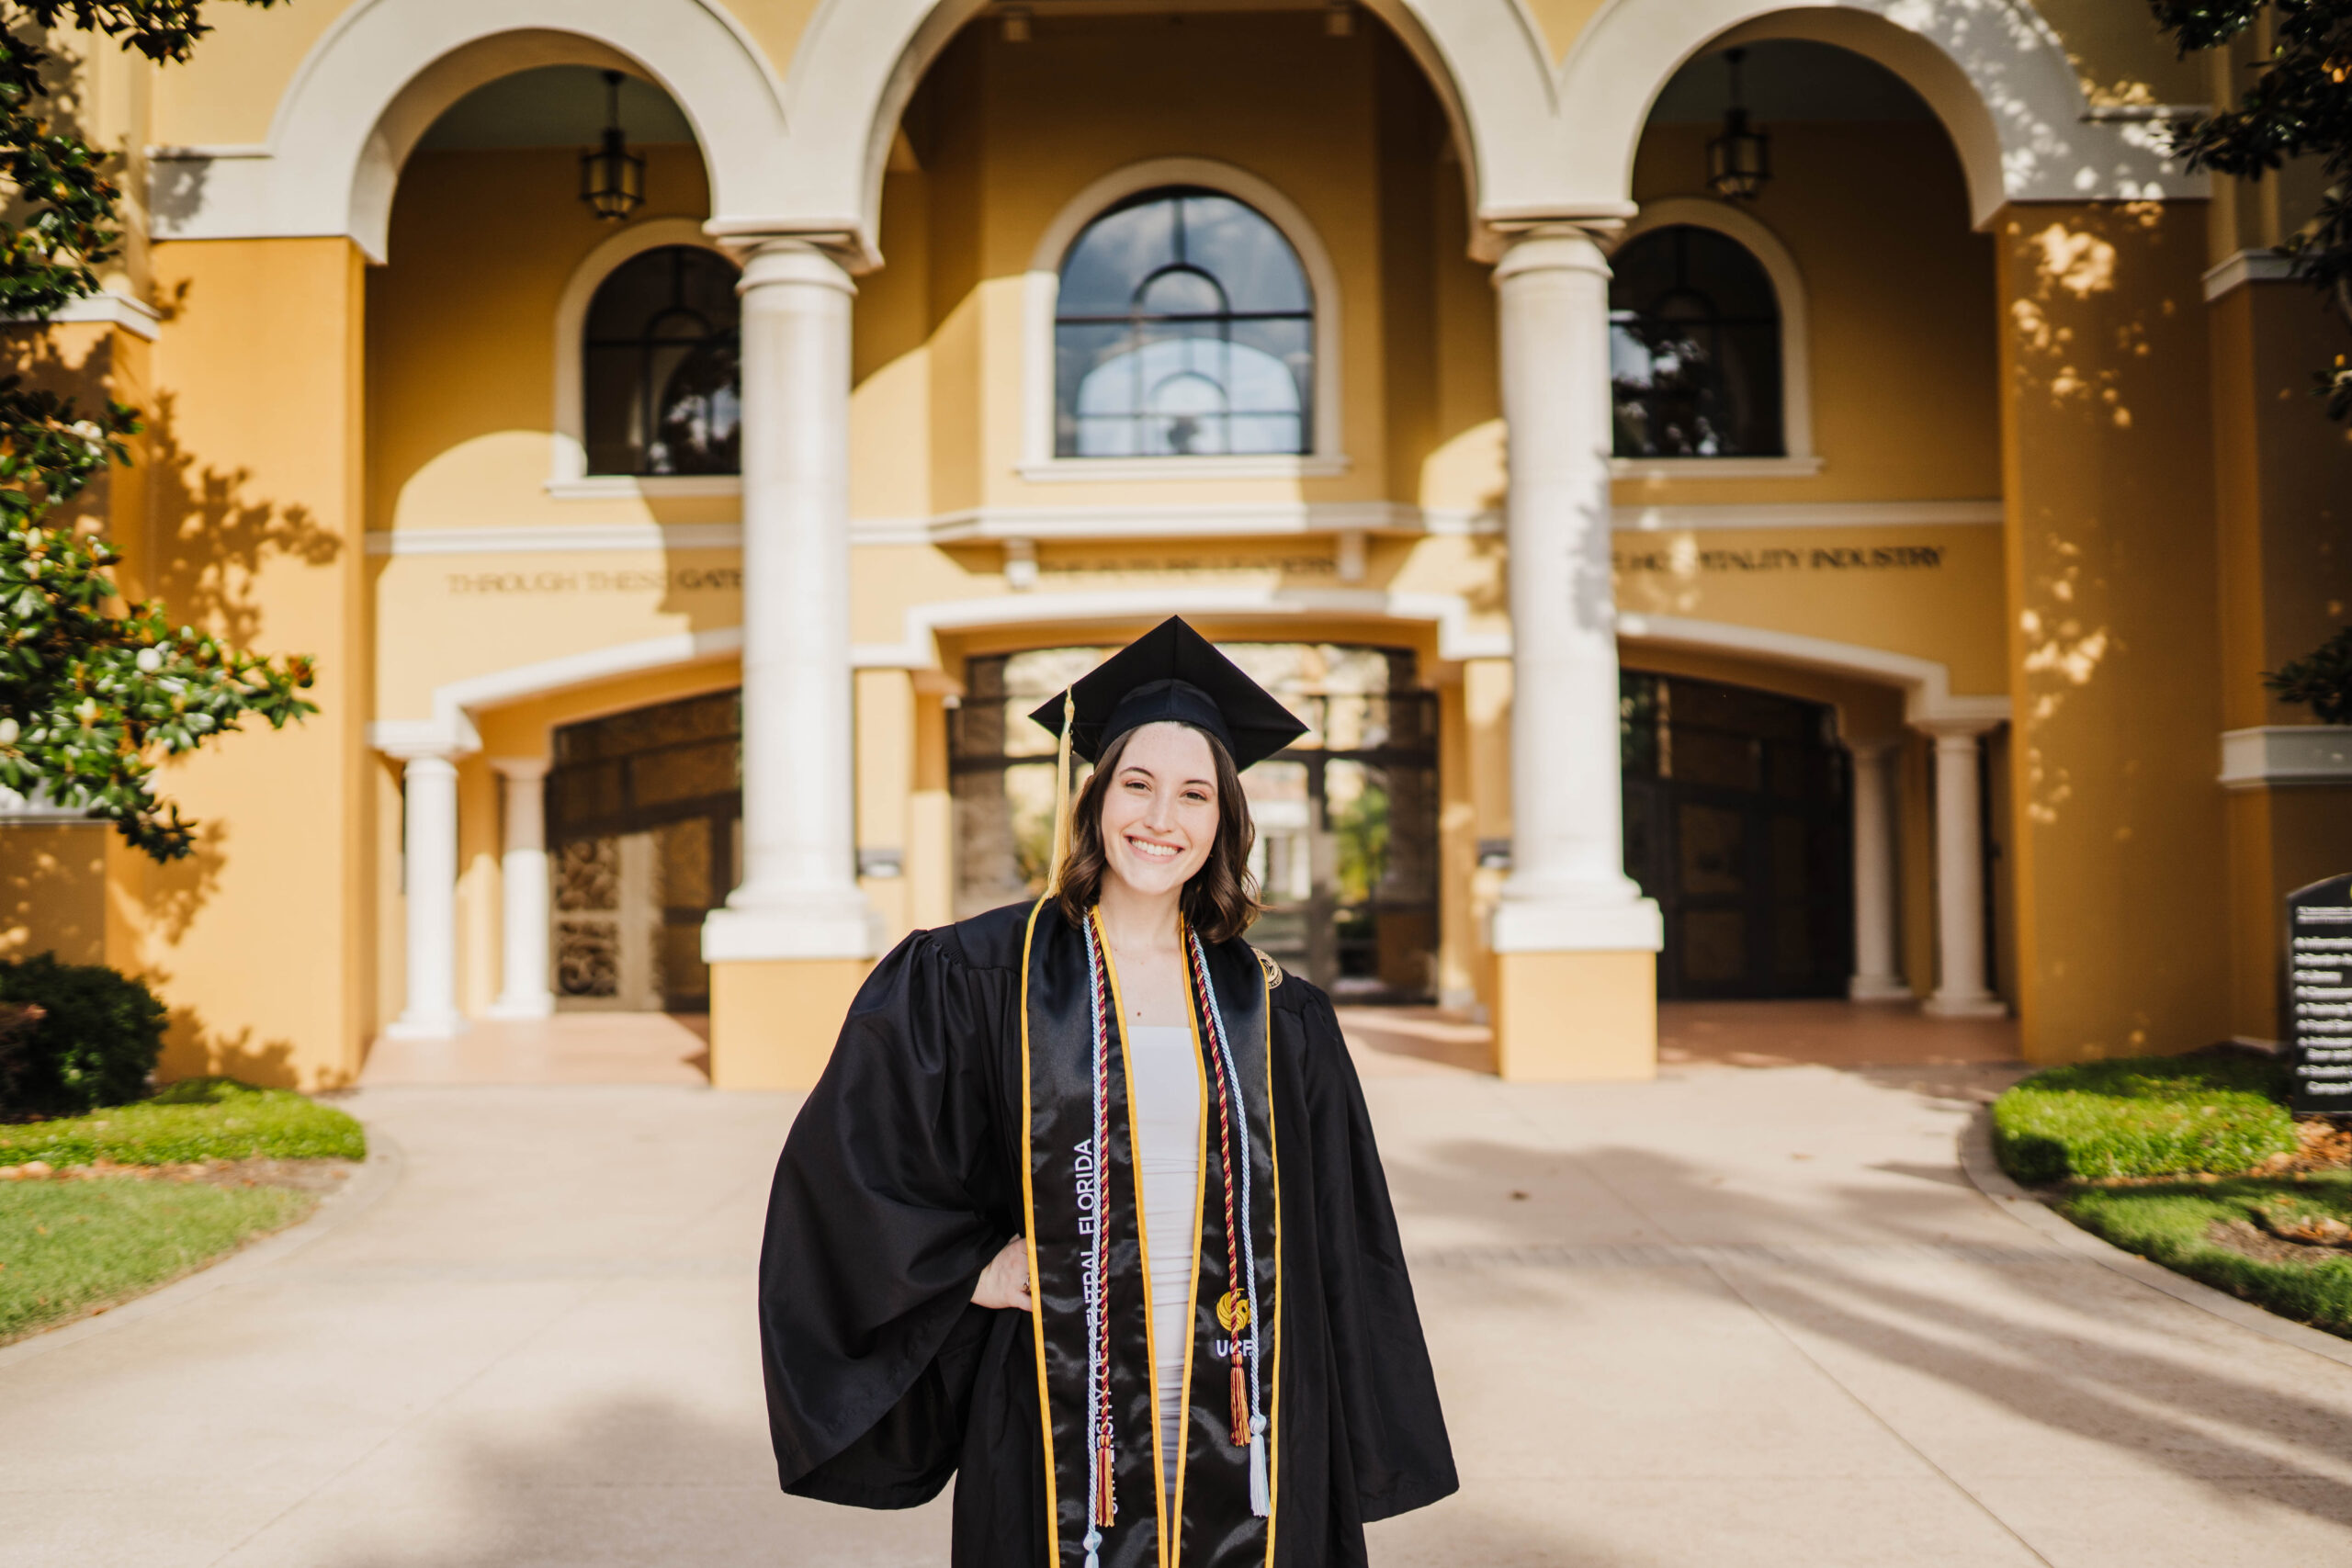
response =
{"points": [[429, 843], [523, 991], [799, 897], [1961, 991], [1876, 976], [1567, 888]]}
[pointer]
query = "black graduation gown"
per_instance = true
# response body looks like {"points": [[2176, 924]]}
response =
{"points": [[903, 1175]]}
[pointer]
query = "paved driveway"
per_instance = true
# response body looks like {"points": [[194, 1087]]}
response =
{"points": [[1751, 1316]]}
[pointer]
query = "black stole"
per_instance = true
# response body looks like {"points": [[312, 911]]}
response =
{"points": [[1058, 1059]]}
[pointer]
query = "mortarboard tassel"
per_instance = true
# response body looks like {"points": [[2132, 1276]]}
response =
{"points": [[1061, 792]]}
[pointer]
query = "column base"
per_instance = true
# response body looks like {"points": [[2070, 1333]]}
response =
{"points": [[408, 1026], [1576, 1017], [1982, 1005], [1877, 989], [521, 1008], [773, 1022]]}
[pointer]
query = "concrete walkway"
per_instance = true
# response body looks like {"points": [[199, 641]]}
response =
{"points": [[1740, 1316]]}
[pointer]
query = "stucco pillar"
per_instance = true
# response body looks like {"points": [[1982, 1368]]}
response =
{"points": [[523, 991], [429, 881], [788, 949], [1876, 977], [1961, 991], [1574, 941], [2118, 858]]}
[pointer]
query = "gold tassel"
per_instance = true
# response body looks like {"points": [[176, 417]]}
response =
{"points": [[1061, 793], [1241, 1404], [1106, 1507]]}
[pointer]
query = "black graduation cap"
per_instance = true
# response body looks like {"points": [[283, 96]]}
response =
{"points": [[1173, 672]]}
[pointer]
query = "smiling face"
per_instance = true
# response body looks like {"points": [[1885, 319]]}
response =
{"points": [[1159, 812]]}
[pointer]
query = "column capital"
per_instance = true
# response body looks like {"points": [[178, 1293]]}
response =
{"points": [[792, 261], [408, 739], [424, 765], [1958, 730], [1556, 247], [1871, 748], [522, 770]]}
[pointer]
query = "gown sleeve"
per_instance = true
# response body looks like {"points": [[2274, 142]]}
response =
{"points": [[880, 1224], [1390, 1434]]}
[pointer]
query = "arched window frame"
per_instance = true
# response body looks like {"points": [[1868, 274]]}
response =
{"points": [[568, 475], [1042, 294], [1800, 461]]}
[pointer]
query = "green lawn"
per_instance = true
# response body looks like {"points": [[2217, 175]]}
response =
{"points": [[2171, 1224], [2147, 1116], [203, 1119], [2107, 1134], [66, 1246]]}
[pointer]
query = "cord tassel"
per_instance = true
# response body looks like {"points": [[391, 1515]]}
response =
{"points": [[1106, 1511], [1260, 1493], [1093, 1547], [1240, 1406]]}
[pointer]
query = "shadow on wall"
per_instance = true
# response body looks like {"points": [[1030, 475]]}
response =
{"points": [[192, 1049], [211, 540], [2081, 340], [52, 891]]}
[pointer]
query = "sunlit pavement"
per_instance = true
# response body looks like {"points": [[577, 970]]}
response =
{"points": [[1742, 1315]]}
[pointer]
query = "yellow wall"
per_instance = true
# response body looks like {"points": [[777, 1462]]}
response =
{"points": [[52, 891], [2113, 631], [2283, 478], [1875, 216], [259, 943]]}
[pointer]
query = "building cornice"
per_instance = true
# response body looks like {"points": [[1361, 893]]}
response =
{"points": [[2271, 756]]}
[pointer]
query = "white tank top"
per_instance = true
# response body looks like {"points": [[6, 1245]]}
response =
{"points": [[1166, 1078]]}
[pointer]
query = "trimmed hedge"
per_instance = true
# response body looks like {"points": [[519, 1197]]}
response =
{"points": [[2144, 1116], [95, 1040], [202, 1119]]}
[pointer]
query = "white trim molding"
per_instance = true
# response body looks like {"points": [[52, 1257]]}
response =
{"points": [[578, 538], [1459, 636], [568, 475], [1041, 290], [135, 317], [1701, 517], [1791, 467], [384, 69], [450, 731], [1743, 229], [1993, 70], [1929, 701], [1221, 520], [2272, 756], [2242, 267]]}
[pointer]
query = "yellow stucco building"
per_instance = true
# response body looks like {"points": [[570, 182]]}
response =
{"points": [[1855, 585]]}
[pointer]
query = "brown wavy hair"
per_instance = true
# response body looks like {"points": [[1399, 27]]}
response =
{"points": [[1221, 900]]}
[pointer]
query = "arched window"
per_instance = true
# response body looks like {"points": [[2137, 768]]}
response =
{"points": [[662, 393], [1694, 347], [1184, 327]]}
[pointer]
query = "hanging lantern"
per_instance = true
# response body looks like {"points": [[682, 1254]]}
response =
{"points": [[1740, 160], [612, 178]]}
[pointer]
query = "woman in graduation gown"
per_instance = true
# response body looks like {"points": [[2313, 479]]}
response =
{"points": [[1085, 1210]]}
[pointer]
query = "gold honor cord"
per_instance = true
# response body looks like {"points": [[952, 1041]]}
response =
{"points": [[1061, 793]]}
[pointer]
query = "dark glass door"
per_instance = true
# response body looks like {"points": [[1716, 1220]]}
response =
{"points": [[1346, 854], [1737, 822], [642, 843]]}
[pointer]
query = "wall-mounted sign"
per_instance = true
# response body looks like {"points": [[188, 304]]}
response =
{"points": [[676, 580], [2316, 1006], [1684, 557]]}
